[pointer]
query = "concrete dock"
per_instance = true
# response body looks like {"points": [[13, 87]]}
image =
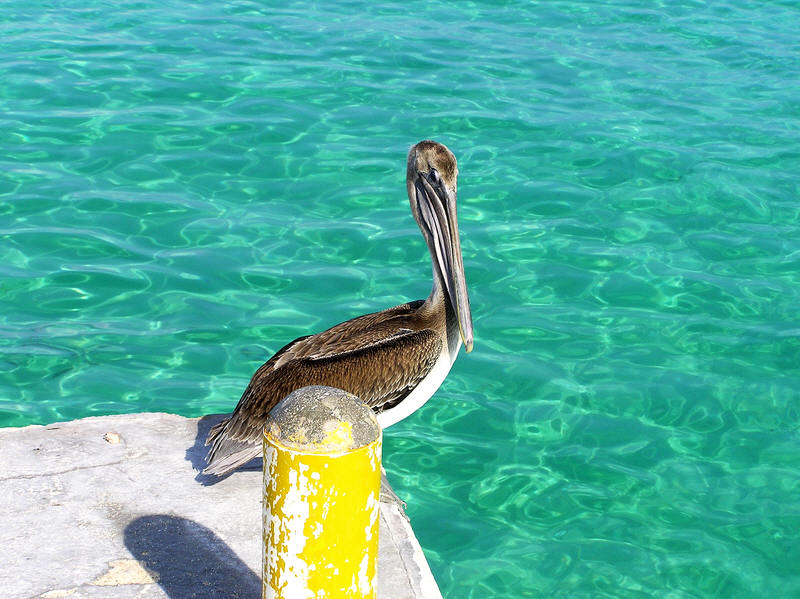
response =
{"points": [[116, 507]]}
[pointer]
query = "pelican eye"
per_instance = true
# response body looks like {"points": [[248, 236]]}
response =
{"points": [[433, 175]]}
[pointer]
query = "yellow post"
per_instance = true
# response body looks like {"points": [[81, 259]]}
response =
{"points": [[322, 464]]}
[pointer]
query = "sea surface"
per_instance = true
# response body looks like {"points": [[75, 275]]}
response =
{"points": [[187, 186]]}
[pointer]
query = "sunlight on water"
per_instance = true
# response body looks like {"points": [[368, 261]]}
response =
{"points": [[186, 188]]}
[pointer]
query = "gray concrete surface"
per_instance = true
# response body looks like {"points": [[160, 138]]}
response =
{"points": [[116, 507], [303, 419]]}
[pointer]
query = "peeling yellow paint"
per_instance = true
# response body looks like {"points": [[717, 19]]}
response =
{"points": [[321, 518], [339, 435]]}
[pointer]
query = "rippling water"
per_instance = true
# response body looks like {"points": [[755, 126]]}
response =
{"points": [[186, 187]]}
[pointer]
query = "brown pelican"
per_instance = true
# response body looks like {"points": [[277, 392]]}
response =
{"points": [[393, 360]]}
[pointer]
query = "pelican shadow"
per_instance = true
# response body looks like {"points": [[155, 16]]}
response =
{"points": [[196, 454], [189, 559]]}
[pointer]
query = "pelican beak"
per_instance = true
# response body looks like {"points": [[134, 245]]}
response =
{"points": [[437, 208]]}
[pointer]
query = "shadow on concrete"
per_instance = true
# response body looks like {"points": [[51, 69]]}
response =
{"points": [[189, 559], [196, 454]]}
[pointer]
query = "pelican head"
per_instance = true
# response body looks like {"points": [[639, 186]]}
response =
{"points": [[431, 183]]}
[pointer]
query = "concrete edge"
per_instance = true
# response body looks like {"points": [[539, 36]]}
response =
{"points": [[420, 577]]}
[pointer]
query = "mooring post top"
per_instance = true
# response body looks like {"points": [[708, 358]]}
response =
{"points": [[322, 419]]}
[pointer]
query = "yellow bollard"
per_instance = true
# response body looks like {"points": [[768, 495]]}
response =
{"points": [[322, 464]]}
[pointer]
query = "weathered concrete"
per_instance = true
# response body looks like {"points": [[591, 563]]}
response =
{"points": [[115, 507], [303, 419]]}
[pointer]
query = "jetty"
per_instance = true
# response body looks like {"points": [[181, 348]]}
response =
{"points": [[117, 507]]}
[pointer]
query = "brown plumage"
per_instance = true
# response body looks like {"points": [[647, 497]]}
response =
{"points": [[384, 358]]}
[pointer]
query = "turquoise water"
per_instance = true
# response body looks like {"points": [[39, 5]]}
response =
{"points": [[186, 187]]}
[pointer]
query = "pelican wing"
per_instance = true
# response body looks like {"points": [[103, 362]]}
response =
{"points": [[383, 366]]}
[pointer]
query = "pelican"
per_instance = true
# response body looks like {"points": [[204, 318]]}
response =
{"points": [[393, 360]]}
